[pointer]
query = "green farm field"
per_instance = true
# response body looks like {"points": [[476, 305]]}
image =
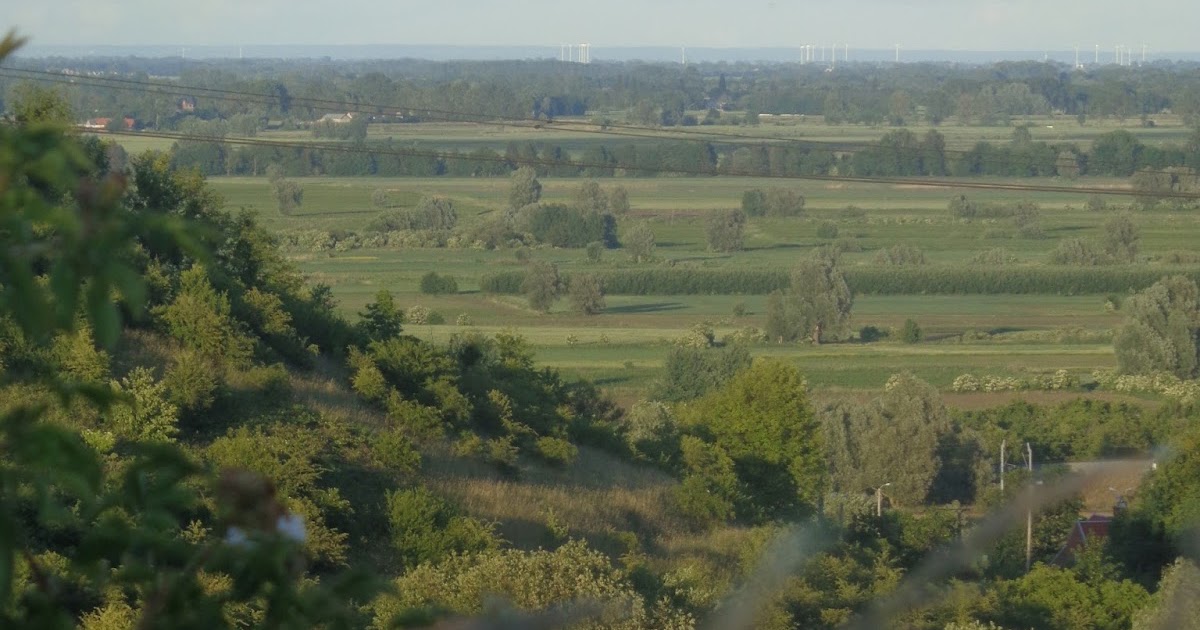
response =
{"points": [[624, 347]]}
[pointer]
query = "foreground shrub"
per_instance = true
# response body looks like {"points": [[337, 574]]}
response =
{"points": [[556, 451], [530, 581], [424, 528]]}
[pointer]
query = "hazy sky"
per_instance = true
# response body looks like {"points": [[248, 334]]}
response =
{"points": [[929, 24]]}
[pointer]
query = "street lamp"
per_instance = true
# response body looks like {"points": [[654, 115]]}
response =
{"points": [[1121, 503], [879, 499]]}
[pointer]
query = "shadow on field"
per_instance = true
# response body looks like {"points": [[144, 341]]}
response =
{"points": [[703, 258], [611, 380], [1067, 229], [777, 246], [656, 307]]}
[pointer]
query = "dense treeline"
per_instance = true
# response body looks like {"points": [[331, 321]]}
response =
{"points": [[898, 153], [890, 280], [414, 90]]}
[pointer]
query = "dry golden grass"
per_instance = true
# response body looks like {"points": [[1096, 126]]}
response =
{"points": [[598, 497], [324, 389]]}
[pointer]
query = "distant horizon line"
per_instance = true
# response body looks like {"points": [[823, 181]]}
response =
{"points": [[598, 53], [839, 45]]}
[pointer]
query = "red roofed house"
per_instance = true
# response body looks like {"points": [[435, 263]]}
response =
{"points": [[1086, 531], [101, 124]]}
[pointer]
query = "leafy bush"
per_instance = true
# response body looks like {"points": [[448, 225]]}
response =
{"points": [[421, 421], [383, 319], [1077, 251], [774, 202], [760, 421], [586, 294], [201, 319], [710, 485], [396, 453], [651, 431], [433, 283], [418, 314], [746, 336], [149, 416], [595, 250], [911, 333], [424, 528], [564, 226], [534, 581], [431, 213], [542, 286], [192, 381], [725, 231], [290, 456], [503, 453], [827, 230], [699, 336], [870, 334], [556, 451]]}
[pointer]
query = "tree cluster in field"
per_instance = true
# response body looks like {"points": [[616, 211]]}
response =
{"points": [[433, 283], [432, 213], [773, 202]]}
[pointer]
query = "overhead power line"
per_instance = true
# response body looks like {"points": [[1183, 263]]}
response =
{"points": [[439, 115], [604, 166]]}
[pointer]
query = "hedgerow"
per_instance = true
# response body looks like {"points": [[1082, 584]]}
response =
{"points": [[1046, 280]]}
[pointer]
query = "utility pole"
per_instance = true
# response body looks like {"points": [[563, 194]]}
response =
{"points": [[879, 499], [1029, 512], [1003, 445], [1097, 54]]}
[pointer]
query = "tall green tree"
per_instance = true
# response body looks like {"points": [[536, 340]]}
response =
{"points": [[618, 200], [30, 102], [762, 420], [1162, 330], [524, 188], [586, 293], [382, 319], [816, 305], [542, 285], [590, 198], [725, 231], [288, 194], [1121, 239], [892, 439], [689, 373], [639, 242]]}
